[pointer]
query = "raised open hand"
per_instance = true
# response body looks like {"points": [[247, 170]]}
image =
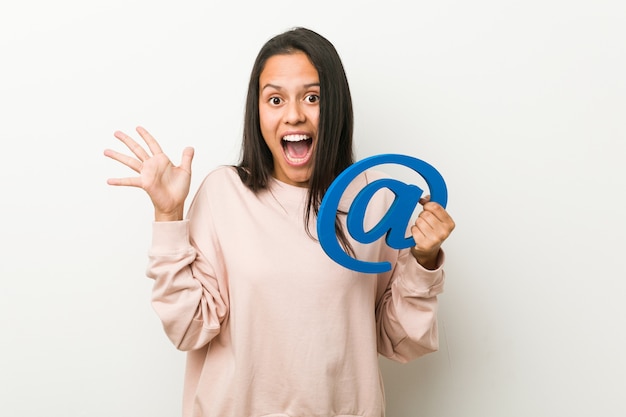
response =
{"points": [[166, 184]]}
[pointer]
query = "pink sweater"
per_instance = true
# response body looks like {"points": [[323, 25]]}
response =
{"points": [[272, 325]]}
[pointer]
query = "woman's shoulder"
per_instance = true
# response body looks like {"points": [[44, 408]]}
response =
{"points": [[219, 189], [222, 181], [221, 175]]}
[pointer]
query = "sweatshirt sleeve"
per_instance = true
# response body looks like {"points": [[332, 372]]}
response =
{"points": [[186, 294], [406, 314]]}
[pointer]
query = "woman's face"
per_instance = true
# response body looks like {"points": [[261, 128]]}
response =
{"points": [[289, 95]]}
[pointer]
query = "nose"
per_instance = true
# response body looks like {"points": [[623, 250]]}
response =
{"points": [[294, 113]]}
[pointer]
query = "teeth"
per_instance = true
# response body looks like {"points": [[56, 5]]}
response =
{"points": [[295, 138]]}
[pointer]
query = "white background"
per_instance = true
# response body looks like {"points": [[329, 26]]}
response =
{"points": [[520, 105]]}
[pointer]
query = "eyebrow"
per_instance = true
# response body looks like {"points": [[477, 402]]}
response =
{"points": [[277, 87]]}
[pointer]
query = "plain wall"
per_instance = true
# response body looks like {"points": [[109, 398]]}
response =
{"points": [[520, 104]]}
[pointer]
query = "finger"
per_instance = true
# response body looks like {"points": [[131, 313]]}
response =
{"points": [[427, 231], [130, 162], [425, 199], [126, 182], [132, 145], [424, 241], [418, 233], [437, 210], [432, 227], [153, 145], [427, 221], [443, 216], [185, 162]]}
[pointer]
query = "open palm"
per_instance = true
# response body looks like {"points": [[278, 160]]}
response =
{"points": [[166, 184]]}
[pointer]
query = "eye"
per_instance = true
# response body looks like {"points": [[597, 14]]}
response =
{"points": [[312, 98], [275, 101]]}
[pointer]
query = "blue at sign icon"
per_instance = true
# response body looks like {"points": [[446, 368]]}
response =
{"points": [[393, 224]]}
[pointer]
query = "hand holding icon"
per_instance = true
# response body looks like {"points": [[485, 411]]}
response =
{"points": [[431, 228]]}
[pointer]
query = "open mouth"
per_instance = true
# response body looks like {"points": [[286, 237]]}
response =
{"points": [[297, 148]]}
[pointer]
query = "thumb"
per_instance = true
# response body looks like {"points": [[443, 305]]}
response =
{"points": [[425, 199], [185, 162]]}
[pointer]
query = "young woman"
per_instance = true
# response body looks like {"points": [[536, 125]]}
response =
{"points": [[273, 326]]}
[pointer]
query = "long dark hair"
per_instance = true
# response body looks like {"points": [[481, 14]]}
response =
{"points": [[333, 152]]}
